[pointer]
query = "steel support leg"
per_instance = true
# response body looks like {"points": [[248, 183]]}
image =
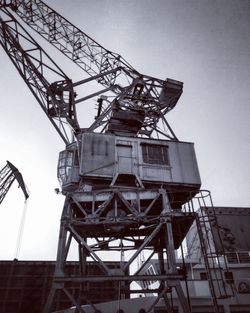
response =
{"points": [[171, 254]]}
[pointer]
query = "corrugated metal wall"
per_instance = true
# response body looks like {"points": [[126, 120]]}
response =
{"points": [[24, 286]]}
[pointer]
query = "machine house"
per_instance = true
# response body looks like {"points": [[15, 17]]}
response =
{"points": [[105, 158]]}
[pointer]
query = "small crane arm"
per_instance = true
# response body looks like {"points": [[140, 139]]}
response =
{"points": [[7, 176]]}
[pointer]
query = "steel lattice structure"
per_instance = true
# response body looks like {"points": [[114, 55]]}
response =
{"points": [[150, 97], [8, 174]]}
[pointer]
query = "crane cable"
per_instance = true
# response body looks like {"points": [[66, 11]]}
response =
{"points": [[20, 230]]}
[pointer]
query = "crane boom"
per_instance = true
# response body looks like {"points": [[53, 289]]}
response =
{"points": [[139, 98], [56, 97], [92, 57], [7, 176]]}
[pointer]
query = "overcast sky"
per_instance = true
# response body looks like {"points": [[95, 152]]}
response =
{"points": [[204, 43]]}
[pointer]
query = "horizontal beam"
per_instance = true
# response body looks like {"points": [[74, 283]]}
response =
{"points": [[99, 278]]}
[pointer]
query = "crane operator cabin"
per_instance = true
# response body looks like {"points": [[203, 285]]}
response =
{"points": [[104, 160]]}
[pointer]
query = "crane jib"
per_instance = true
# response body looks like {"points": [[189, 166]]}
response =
{"points": [[8, 174], [132, 90]]}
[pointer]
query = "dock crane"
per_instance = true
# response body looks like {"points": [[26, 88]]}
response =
{"points": [[124, 187], [8, 174]]}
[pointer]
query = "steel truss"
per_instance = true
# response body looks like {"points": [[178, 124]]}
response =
{"points": [[121, 220], [143, 99], [8, 174]]}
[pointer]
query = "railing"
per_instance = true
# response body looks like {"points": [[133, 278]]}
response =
{"points": [[238, 257]]}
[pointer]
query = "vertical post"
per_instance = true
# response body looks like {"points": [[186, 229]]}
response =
{"points": [[163, 283], [60, 260], [172, 269], [83, 270]]}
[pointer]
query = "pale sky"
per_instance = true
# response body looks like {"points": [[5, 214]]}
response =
{"points": [[204, 43]]}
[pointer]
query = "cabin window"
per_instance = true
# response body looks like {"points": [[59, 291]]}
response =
{"points": [[76, 158], [155, 154], [64, 165], [229, 277], [203, 276]]}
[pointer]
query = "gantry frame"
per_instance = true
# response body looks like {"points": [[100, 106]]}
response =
{"points": [[144, 218]]}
